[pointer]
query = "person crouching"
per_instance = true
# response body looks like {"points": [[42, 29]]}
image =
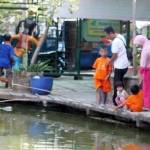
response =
{"points": [[121, 93], [134, 102]]}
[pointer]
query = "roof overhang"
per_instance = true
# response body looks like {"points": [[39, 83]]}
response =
{"points": [[107, 9]]}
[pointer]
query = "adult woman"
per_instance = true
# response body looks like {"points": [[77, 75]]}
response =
{"points": [[142, 41]]}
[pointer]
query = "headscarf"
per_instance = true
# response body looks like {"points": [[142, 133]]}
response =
{"points": [[145, 55], [140, 40]]}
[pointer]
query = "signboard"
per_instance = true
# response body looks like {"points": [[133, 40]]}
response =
{"points": [[96, 27]]}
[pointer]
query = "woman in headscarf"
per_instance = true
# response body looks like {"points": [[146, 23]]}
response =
{"points": [[142, 41]]}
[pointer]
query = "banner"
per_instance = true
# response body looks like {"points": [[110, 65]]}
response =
{"points": [[96, 27]]}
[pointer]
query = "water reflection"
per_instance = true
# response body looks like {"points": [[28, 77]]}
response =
{"points": [[32, 129]]}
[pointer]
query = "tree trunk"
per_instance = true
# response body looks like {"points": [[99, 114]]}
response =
{"points": [[37, 50]]}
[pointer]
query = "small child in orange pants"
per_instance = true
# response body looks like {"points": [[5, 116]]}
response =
{"points": [[102, 76], [134, 102]]}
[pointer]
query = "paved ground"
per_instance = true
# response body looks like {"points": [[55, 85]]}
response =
{"points": [[66, 87], [79, 90]]}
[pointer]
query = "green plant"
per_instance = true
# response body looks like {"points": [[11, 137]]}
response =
{"points": [[39, 67]]}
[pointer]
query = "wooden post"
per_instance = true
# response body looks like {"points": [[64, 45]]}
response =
{"points": [[134, 34], [25, 56]]}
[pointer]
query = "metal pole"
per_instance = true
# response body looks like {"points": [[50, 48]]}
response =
{"points": [[78, 38], [134, 33], [121, 24], [128, 34]]}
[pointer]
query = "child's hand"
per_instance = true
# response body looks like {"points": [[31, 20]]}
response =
{"points": [[107, 64], [107, 77]]}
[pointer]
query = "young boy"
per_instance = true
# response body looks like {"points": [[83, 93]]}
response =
{"points": [[6, 60], [134, 102], [102, 75]]}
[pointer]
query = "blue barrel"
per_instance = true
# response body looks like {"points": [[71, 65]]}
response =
{"points": [[109, 51], [87, 59], [40, 83]]}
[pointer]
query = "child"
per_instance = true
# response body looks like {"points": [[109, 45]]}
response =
{"points": [[102, 75], [6, 60], [121, 93], [134, 102]]}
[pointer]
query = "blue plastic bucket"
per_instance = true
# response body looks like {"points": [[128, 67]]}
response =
{"points": [[41, 85]]}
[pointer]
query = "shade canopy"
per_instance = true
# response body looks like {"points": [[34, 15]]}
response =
{"points": [[107, 9]]}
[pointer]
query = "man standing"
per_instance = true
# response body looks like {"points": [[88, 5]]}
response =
{"points": [[119, 56]]}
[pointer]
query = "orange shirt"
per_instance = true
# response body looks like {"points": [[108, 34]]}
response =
{"points": [[19, 52], [135, 102], [130, 147], [102, 69], [24, 42]]}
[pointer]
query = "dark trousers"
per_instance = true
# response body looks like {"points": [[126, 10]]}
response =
{"points": [[118, 76]]}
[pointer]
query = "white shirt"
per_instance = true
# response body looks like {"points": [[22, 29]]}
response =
{"points": [[122, 94], [119, 47]]}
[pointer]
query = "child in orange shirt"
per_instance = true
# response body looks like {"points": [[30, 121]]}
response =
{"points": [[134, 102], [102, 76]]}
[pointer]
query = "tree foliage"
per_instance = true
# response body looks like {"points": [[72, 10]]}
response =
{"points": [[10, 17]]}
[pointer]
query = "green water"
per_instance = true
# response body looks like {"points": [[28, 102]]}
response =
{"points": [[32, 128]]}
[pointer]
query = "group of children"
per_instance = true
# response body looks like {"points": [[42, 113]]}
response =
{"points": [[103, 69]]}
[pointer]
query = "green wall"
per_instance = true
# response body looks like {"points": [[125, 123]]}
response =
{"points": [[92, 29]]}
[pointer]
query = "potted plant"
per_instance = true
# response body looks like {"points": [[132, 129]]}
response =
{"points": [[38, 68], [32, 78], [39, 83]]}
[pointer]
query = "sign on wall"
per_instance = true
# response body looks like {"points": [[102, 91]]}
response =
{"points": [[96, 27]]}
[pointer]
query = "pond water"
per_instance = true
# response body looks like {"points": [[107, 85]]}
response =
{"points": [[32, 128]]}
